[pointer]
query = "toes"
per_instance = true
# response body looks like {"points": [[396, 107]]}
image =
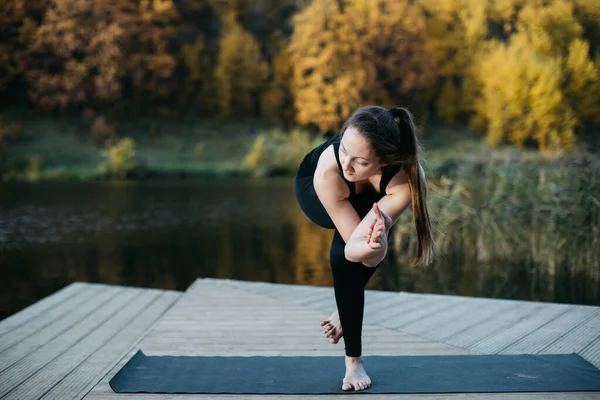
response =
{"points": [[346, 386]]}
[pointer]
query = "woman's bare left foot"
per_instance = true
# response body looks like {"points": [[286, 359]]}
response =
{"points": [[332, 328], [356, 377]]}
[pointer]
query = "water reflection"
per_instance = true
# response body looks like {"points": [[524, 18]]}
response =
{"points": [[166, 234]]}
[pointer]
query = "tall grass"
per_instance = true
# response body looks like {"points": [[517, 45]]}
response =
{"points": [[540, 214]]}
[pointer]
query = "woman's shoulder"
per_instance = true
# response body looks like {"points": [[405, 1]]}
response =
{"points": [[327, 163], [328, 174], [397, 181]]}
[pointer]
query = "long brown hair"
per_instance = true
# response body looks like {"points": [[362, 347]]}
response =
{"points": [[393, 135]]}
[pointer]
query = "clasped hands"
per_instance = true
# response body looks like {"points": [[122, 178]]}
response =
{"points": [[378, 231]]}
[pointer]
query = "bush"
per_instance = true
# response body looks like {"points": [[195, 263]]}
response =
{"points": [[276, 151], [120, 159]]}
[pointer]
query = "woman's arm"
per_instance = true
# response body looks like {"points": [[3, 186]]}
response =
{"points": [[333, 193], [390, 207]]}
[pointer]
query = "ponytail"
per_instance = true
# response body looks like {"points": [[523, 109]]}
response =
{"points": [[417, 182]]}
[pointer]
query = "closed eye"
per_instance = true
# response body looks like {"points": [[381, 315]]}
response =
{"points": [[344, 151]]}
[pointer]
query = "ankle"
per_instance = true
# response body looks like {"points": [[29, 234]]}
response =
{"points": [[354, 360]]}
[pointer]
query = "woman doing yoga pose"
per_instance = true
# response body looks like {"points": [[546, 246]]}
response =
{"points": [[359, 182]]}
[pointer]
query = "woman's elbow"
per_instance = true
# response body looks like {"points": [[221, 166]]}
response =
{"points": [[348, 254], [370, 264]]}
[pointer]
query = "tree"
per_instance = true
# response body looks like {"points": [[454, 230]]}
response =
{"points": [[522, 99], [277, 102], [542, 84], [19, 20], [349, 53], [151, 61], [582, 82], [457, 30], [76, 56], [240, 72]]}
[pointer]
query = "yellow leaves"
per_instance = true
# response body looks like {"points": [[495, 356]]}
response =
{"points": [[447, 102], [365, 52], [549, 28], [277, 100], [522, 97], [240, 71], [120, 158], [583, 81], [457, 30], [194, 59]]}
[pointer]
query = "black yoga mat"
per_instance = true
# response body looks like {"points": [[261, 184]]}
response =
{"points": [[389, 374]]}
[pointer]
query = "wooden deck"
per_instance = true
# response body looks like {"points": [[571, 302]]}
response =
{"points": [[70, 344]]}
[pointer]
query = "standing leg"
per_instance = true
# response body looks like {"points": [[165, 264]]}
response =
{"points": [[349, 281]]}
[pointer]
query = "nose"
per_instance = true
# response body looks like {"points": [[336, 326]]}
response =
{"points": [[346, 163]]}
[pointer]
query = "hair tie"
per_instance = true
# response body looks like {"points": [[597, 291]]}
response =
{"points": [[396, 112]]}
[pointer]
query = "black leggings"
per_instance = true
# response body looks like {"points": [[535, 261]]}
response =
{"points": [[349, 278]]}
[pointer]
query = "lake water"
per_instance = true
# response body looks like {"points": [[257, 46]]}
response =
{"points": [[165, 234]]}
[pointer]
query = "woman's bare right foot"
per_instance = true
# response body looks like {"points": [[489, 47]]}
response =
{"points": [[332, 328]]}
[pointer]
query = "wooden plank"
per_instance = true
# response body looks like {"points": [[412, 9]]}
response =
{"points": [[380, 307], [310, 301], [592, 352], [47, 318], [101, 295], [27, 366], [373, 297], [87, 374], [39, 307], [326, 304], [501, 339], [400, 305], [437, 307], [536, 340], [478, 317], [576, 339], [433, 322], [54, 371], [301, 293], [501, 321]]}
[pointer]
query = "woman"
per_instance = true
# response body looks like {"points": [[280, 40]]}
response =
{"points": [[359, 182]]}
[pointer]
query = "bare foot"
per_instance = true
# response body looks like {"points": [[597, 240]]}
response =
{"points": [[356, 377], [332, 328]]}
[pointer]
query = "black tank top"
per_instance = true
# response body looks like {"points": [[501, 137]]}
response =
{"points": [[310, 161]]}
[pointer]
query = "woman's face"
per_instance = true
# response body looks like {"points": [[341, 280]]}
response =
{"points": [[358, 159]]}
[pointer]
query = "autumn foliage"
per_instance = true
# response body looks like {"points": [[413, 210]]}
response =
{"points": [[519, 71]]}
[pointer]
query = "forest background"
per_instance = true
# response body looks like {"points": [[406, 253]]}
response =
{"points": [[506, 95]]}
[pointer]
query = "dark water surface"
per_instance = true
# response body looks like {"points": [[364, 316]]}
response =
{"points": [[165, 234]]}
